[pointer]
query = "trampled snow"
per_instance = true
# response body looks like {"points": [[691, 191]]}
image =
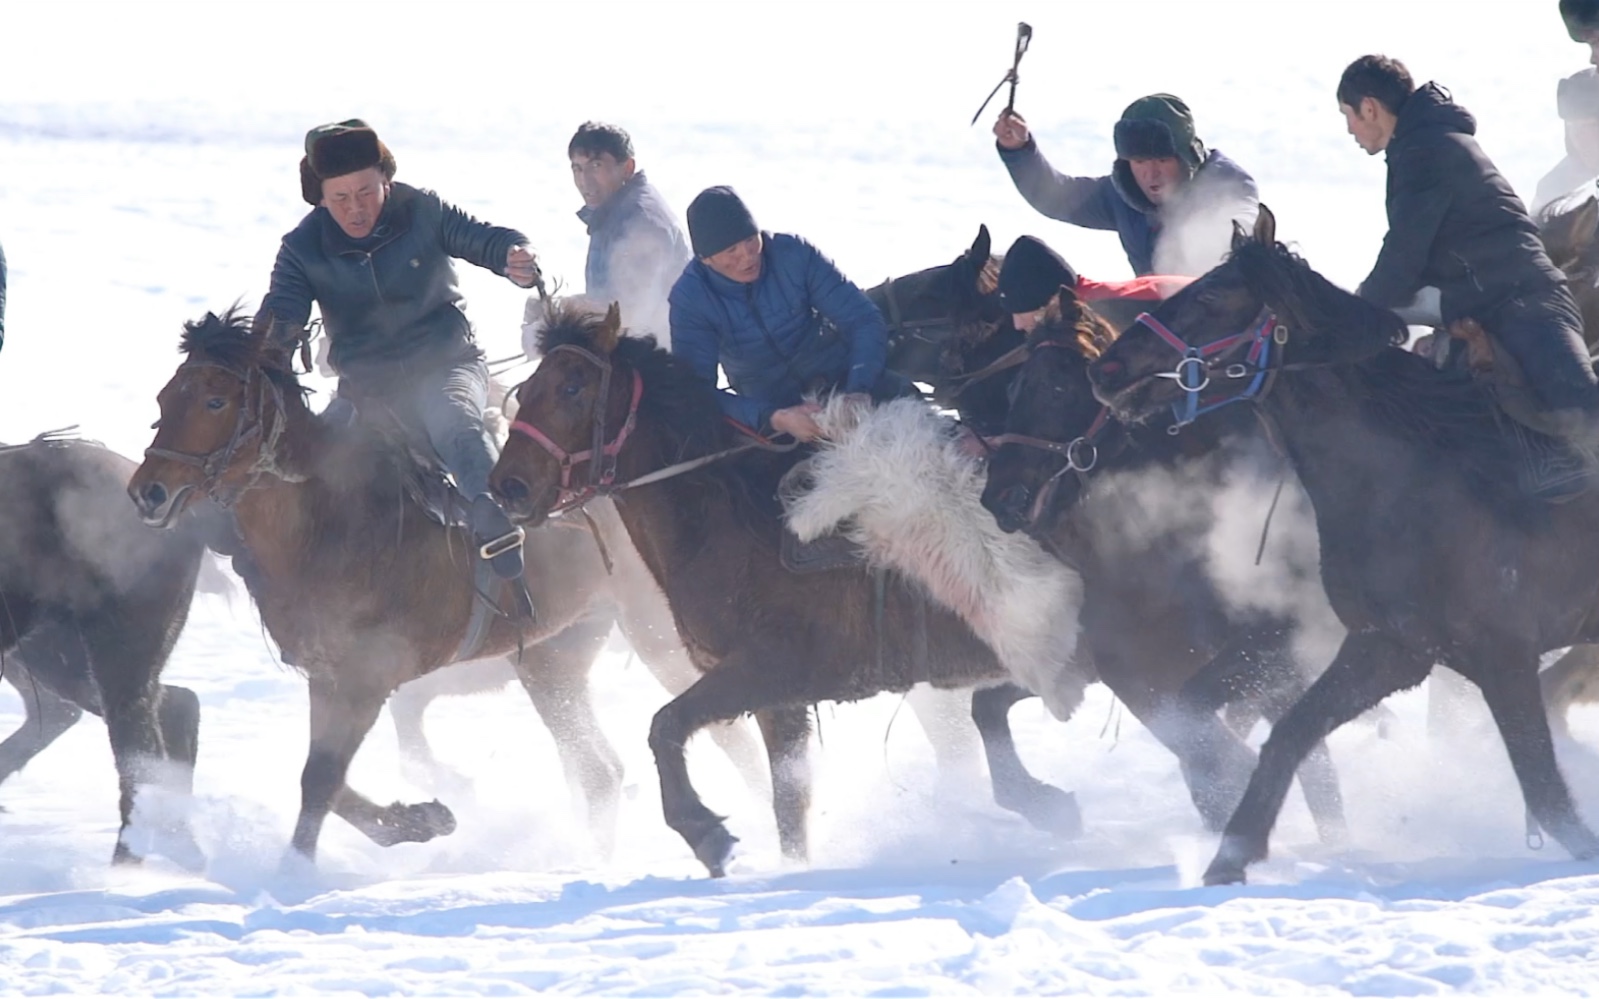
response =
{"points": [[147, 168]]}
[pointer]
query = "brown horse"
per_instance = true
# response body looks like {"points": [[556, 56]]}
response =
{"points": [[91, 603], [355, 582], [771, 641]]}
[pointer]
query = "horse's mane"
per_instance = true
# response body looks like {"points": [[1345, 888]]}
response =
{"points": [[1446, 415], [231, 339], [685, 408]]}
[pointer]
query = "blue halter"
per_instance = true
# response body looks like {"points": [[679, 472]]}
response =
{"points": [[1193, 372]]}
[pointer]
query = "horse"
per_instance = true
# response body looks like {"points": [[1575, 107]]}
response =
{"points": [[357, 584], [1432, 551], [706, 522], [91, 603], [1164, 637]]}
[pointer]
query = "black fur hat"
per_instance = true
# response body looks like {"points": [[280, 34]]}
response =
{"points": [[337, 149], [1581, 17], [1032, 275]]}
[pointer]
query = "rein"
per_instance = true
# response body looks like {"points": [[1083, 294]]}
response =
{"points": [[1199, 364], [249, 425], [602, 473]]}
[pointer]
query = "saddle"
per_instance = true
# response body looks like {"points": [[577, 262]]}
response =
{"points": [[1553, 466]]}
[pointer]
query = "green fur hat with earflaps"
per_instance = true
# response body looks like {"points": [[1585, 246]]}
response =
{"points": [[1158, 126], [339, 148]]}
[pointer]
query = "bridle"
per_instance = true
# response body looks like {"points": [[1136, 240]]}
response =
{"points": [[249, 425], [600, 454], [1198, 364]]}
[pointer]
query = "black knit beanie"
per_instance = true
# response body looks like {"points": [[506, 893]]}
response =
{"points": [[337, 149], [717, 219], [1031, 275]]}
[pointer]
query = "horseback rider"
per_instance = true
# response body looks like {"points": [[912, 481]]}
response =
{"points": [[778, 317], [1454, 223], [1577, 101], [1170, 199], [374, 254], [1033, 274], [636, 250]]}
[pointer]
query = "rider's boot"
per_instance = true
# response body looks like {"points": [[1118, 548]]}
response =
{"points": [[499, 541]]}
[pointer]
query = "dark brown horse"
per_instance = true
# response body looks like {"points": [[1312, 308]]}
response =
{"points": [[91, 603], [772, 642], [1160, 632], [354, 581], [1431, 550]]}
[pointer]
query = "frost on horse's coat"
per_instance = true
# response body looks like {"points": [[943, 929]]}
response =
{"points": [[896, 479]]}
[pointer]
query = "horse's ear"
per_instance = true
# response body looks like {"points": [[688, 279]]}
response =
{"points": [[611, 330], [1068, 297], [1266, 227], [982, 246], [1240, 235]]}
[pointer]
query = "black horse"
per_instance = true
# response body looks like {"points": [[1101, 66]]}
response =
{"points": [[1160, 632], [91, 603], [1431, 550]]}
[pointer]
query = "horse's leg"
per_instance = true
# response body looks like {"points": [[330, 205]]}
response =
{"points": [[1258, 674], [1510, 686], [787, 732], [746, 680], [46, 716], [1573, 679], [1045, 806], [407, 705], [1369, 666], [343, 710], [555, 674], [178, 714], [946, 718]]}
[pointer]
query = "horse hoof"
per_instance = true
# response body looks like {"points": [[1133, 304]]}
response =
{"points": [[714, 848], [1056, 812], [123, 856], [1224, 874], [416, 823]]}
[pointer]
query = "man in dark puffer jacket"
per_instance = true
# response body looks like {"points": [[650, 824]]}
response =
{"points": [[1454, 223], [375, 256], [777, 316]]}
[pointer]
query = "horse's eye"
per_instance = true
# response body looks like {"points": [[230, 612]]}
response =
{"points": [[215, 403], [571, 389]]}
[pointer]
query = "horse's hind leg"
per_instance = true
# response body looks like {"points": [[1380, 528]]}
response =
{"points": [[1512, 692], [787, 732], [745, 681], [555, 674], [1047, 807], [47, 716], [1369, 666], [179, 718]]}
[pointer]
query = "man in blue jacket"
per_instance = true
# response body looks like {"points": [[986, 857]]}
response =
{"points": [[1170, 199], [777, 316], [375, 255], [636, 250]]}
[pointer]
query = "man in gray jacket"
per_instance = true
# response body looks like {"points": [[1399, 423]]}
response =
{"points": [[1170, 199]]}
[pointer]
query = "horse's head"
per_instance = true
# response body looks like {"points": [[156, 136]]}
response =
{"points": [[221, 414], [1054, 420], [1219, 339], [573, 415], [939, 310]]}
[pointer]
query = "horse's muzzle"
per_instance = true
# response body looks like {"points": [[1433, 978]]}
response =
{"points": [[158, 507]]}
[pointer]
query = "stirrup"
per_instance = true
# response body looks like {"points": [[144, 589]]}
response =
{"points": [[505, 543]]}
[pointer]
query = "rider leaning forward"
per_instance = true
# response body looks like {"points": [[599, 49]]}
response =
{"points": [[1455, 224], [375, 254], [778, 317]]}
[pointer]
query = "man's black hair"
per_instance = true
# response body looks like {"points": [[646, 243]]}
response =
{"points": [[1385, 80], [594, 137]]}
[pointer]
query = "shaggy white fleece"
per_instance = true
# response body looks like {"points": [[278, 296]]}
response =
{"points": [[913, 500]]}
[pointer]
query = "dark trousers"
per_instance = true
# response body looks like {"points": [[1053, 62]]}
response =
{"points": [[445, 400], [1543, 332]]}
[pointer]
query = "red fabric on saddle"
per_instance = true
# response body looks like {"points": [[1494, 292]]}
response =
{"points": [[1149, 288]]}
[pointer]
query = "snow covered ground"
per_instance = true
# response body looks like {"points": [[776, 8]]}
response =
{"points": [[147, 167]]}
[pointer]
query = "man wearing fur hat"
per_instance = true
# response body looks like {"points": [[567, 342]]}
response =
{"points": [[1170, 199], [777, 316], [375, 254]]}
